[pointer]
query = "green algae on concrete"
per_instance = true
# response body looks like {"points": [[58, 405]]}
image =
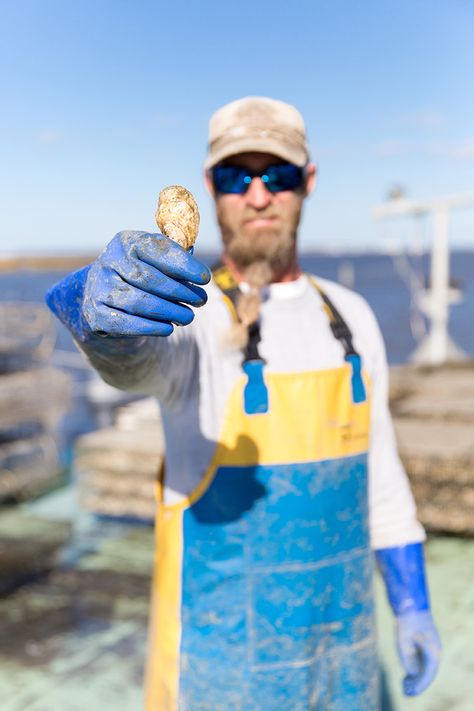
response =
{"points": [[450, 563], [28, 545], [76, 638]]}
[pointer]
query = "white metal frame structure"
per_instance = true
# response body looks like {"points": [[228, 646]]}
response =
{"points": [[437, 347]]}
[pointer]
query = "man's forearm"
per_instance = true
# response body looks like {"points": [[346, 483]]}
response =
{"points": [[419, 647], [403, 571], [122, 362]]}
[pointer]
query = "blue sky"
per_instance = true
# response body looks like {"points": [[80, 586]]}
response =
{"points": [[104, 102]]}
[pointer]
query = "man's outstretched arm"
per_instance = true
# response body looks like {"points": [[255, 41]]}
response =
{"points": [[137, 289]]}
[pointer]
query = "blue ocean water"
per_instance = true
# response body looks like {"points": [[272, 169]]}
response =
{"points": [[379, 278], [384, 282]]}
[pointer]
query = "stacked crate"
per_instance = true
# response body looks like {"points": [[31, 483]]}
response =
{"points": [[434, 421], [117, 467], [33, 397]]}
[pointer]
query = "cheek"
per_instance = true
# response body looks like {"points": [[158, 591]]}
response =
{"points": [[289, 205], [228, 208]]}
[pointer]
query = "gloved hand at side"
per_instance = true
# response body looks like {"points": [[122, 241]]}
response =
{"points": [[141, 285], [418, 643]]}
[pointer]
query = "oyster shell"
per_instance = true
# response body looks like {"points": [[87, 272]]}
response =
{"points": [[177, 215]]}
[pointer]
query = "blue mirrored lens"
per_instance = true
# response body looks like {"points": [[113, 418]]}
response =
{"points": [[285, 176], [230, 179], [236, 180]]}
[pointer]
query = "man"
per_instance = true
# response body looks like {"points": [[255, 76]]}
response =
{"points": [[281, 469]]}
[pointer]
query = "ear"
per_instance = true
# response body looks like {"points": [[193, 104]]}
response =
{"points": [[311, 177], [208, 183]]}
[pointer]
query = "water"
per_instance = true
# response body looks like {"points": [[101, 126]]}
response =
{"points": [[381, 279], [377, 277]]}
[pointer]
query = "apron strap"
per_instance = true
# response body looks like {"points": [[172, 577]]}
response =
{"points": [[255, 392], [342, 333]]}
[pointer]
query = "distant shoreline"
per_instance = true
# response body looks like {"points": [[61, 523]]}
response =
{"points": [[64, 262], [45, 262]]}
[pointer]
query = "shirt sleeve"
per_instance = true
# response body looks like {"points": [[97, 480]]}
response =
{"points": [[163, 367], [393, 519]]}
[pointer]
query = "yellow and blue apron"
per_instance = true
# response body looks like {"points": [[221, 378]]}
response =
{"points": [[262, 596]]}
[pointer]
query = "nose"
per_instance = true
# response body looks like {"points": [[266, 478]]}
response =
{"points": [[257, 196]]}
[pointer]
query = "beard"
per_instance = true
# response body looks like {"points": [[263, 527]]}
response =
{"points": [[272, 245]]}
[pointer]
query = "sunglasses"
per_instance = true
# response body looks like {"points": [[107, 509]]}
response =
{"points": [[276, 178]]}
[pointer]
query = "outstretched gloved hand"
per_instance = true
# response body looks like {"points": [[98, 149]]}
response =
{"points": [[418, 643], [141, 285]]}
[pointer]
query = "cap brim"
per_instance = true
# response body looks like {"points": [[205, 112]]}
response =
{"points": [[292, 154]]}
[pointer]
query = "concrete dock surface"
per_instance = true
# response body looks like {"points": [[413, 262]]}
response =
{"points": [[74, 588], [74, 637]]}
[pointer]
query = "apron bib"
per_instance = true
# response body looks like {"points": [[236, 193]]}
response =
{"points": [[262, 596]]}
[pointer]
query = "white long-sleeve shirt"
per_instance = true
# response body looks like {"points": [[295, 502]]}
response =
{"points": [[193, 371]]}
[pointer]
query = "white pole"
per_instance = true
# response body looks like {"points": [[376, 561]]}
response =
{"points": [[438, 338]]}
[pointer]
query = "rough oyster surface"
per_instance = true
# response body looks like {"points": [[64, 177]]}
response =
{"points": [[177, 215]]}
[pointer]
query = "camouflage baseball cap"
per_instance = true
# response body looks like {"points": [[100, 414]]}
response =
{"points": [[257, 123]]}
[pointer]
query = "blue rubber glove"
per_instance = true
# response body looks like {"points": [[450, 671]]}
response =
{"points": [[139, 286], [418, 643]]}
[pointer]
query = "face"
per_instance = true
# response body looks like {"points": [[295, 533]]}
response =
{"points": [[260, 225]]}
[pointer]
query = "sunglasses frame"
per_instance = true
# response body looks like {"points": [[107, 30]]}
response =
{"points": [[262, 174]]}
